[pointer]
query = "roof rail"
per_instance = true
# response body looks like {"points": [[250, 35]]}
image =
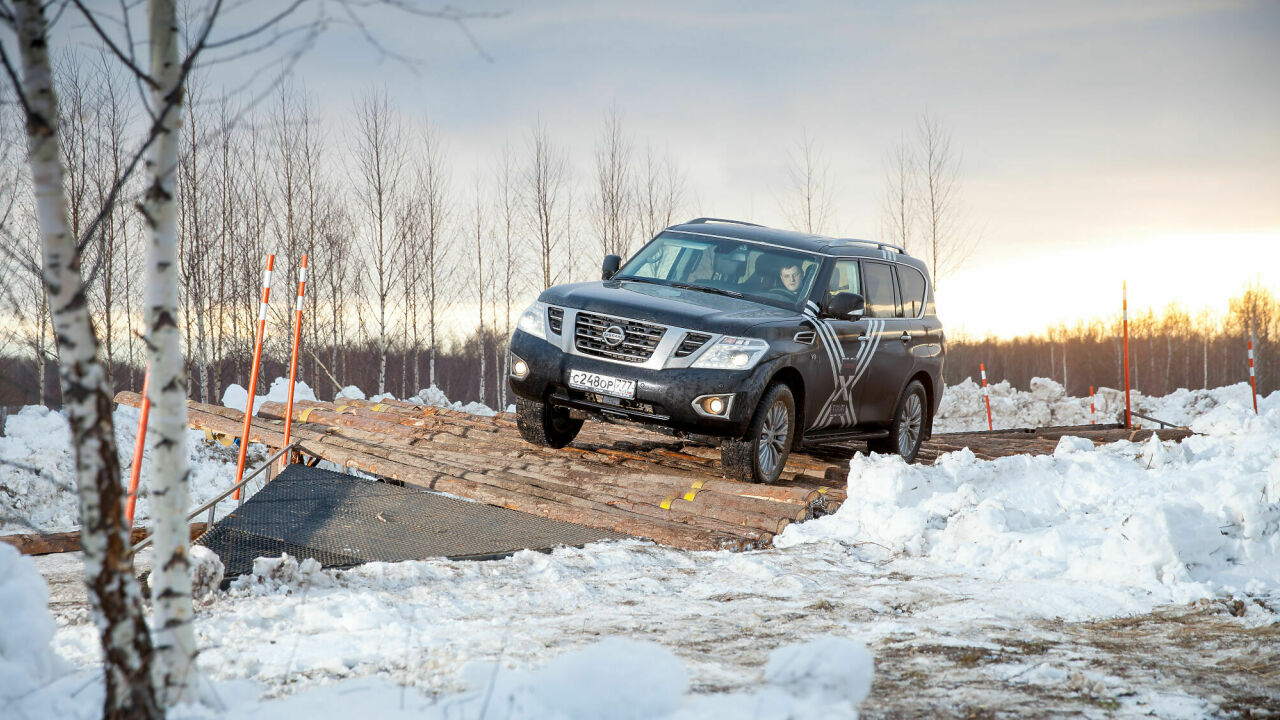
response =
{"points": [[699, 221], [876, 243]]}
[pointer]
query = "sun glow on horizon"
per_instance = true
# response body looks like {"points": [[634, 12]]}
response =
{"points": [[1027, 291]]}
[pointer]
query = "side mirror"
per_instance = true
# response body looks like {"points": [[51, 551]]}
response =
{"points": [[610, 266], [846, 306]]}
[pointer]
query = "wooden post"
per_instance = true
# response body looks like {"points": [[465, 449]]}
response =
{"points": [[1128, 408], [986, 392], [253, 370], [136, 470], [1253, 380], [293, 358]]}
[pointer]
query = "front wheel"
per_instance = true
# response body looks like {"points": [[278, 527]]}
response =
{"points": [[762, 453], [543, 424], [906, 432]]}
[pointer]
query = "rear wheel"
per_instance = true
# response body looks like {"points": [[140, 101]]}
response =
{"points": [[762, 453], [906, 432], [544, 424]]}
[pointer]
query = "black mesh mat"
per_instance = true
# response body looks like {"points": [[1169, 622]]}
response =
{"points": [[342, 521]]}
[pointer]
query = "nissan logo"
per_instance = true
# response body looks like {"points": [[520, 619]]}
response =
{"points": [[613, 336]]}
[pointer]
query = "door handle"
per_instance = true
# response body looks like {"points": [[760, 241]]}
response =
{"points": [[863, 338], [906, 336]]}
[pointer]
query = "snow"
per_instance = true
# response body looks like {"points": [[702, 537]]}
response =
{"points": [[434, 396], [27, 660], [1047, 404], [37, 475], [931, 552], [235, 395]]}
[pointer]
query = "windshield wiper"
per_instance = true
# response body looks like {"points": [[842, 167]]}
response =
{"points": [[704, 288]]}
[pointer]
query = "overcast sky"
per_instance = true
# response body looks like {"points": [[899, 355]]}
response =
{"points": [[1101, 141]]}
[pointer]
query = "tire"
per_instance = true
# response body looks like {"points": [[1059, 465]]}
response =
{"points": [[762, 453], [906, 432], [542, 424]]}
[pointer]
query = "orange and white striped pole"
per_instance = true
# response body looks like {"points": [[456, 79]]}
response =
{"points": [[293, 357], [1128, 412], [1253, 380], [136, 471], [1092, 415], [986, 392], [253, 370]]}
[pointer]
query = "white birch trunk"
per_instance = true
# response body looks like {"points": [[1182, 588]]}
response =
{"points": [[171, 579], [108, 564]]}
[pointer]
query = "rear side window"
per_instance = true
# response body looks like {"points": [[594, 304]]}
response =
{"points": [[878, 280], [844, 278], [911, 283]]}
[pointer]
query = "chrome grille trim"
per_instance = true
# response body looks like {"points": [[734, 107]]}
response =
{"points": [[640, 338]]}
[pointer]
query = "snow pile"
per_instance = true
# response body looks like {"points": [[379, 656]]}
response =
{"points": [[831, 670], [1047, 404], [27, 661], [281, 574], [1179, 521], [616, 678], [37, 475], [435, 397], [350, 392], [235, 395]]}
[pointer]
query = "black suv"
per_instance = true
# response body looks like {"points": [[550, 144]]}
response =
{"points": [[765, 339]]}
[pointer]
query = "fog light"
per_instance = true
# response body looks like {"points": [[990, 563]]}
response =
{"points": [[713, 406], [519, 368]]}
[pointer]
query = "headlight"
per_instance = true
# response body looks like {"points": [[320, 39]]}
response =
{"points": [[732, 353], [534, 320]]}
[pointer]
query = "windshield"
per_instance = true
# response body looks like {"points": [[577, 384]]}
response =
{"points": [[763, 273]]}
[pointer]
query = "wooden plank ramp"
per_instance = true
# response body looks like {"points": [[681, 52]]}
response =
{"points": [[622, 478]]}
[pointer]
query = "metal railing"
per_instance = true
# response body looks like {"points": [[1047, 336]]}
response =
{"points": [[1163, 424], [212, 504]]}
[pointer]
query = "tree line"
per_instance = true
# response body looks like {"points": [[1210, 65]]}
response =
{"points": [[1168, 349]]}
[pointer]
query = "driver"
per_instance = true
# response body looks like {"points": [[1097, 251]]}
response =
{"points": [[791, 275]]}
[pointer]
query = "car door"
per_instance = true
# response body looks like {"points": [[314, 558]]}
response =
{"points": [[888, 362], [844, 341]]}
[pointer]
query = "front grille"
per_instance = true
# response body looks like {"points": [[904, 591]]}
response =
{"points": [[555, 318], [638, 343], [692, 341]]}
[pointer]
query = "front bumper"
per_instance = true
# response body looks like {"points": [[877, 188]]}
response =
{"points": [[664, 397]]}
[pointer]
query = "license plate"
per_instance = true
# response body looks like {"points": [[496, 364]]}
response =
{"points": [[603, 384]]}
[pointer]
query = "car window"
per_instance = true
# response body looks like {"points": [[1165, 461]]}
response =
{"points": [[845, 278], [911, 283], [767, 274], [878, 279]]}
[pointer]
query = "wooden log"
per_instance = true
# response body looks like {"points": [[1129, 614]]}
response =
{"points": [[47, 543], [550, 488], [617, 520]]}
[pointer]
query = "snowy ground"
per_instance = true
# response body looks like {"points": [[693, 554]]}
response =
{"points": [[1128, 580]]}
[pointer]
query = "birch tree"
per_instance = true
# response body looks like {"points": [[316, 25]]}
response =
{"points": [[114, 594], [613, 207], [900, 204], [379, 157], [433, 193], [544, 179], [171, 599], [946, 246], [807, 203]]}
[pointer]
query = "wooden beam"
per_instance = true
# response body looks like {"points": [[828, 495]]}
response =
{"points": [[47, 543]]}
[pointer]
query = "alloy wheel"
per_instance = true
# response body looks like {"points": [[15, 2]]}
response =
{"points": [[909, 424], [773, 438]]}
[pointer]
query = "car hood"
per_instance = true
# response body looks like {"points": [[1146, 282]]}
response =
{"points": [[690, 309]]}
